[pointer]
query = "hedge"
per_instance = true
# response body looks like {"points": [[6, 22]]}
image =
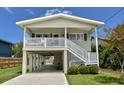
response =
{"points": [[73, 70], [83, 69], [93, 69]]}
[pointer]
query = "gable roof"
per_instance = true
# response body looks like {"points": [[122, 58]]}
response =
{"points": [[60, 15]]}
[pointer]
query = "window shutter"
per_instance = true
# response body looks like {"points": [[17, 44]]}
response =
{"points": [[33, 35], [85, 37], [67, 35]]}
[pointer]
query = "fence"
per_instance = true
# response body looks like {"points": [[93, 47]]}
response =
{"points": [[10, 62]]}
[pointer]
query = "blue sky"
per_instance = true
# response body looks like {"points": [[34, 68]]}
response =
{"points": [[9, 16]]}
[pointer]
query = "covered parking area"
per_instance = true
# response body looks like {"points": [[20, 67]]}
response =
{"points": [[44, 61]]}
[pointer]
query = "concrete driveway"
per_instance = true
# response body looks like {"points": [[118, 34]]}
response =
{"points": [[47, 78]]}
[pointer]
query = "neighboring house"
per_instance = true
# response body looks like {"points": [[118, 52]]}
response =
{"points": [[5, 48], [101, 40], [66, 37]]}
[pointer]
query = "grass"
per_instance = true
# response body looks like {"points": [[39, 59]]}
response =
{"points": [[9, 73], [105, 77]]}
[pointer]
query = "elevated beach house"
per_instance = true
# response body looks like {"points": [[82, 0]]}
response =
{"points": [[66, 37]]}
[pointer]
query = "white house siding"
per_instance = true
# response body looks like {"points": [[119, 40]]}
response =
{"points": [[60, 22]]}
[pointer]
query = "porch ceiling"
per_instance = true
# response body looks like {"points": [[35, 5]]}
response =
{"points": [[57, 30]]}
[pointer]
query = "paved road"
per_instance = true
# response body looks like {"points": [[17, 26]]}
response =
{"points": [[47, 78]]}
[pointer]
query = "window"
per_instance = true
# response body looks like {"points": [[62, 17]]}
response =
{"points": [[55, 35], [85, 37], [82, 36], [33, 35], [38, 35], [72, 36], [46, 35], [79, 36], [76, 36]]}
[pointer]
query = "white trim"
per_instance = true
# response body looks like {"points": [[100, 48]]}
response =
{"points": [[84, 20]]}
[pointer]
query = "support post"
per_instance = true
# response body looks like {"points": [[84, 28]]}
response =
{"points": [[24, 64], [65, 37], [97, 50], [24, 37], [38, 61], [30, 62], [65, 63], [45, 43], [34, 62], [88, 60]]}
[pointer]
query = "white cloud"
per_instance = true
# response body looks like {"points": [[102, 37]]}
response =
{"points": [[30, 12], [67, 12], [56, 10], [9, 10]]}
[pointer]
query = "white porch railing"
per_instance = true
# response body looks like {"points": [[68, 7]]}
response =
{"points": [[44, 42], [92, 58]]}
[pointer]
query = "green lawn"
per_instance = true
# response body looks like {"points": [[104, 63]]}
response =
{"points": [[105, 77], [9, 73]]}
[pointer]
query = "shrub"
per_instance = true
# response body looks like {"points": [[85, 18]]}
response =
{"points": [[93, 69], [83, 69], [73, 70], [121, 80]]}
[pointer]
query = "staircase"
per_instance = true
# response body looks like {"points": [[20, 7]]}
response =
{"points": [[83, 55]]}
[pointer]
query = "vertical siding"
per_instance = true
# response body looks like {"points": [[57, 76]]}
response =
{"points": [[5, 50]]}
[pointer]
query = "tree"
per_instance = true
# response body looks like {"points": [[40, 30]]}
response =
{"points": [[17, 49], [115, 39]]}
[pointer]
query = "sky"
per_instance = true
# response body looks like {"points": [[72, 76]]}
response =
{"points": [[9, 31]]}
